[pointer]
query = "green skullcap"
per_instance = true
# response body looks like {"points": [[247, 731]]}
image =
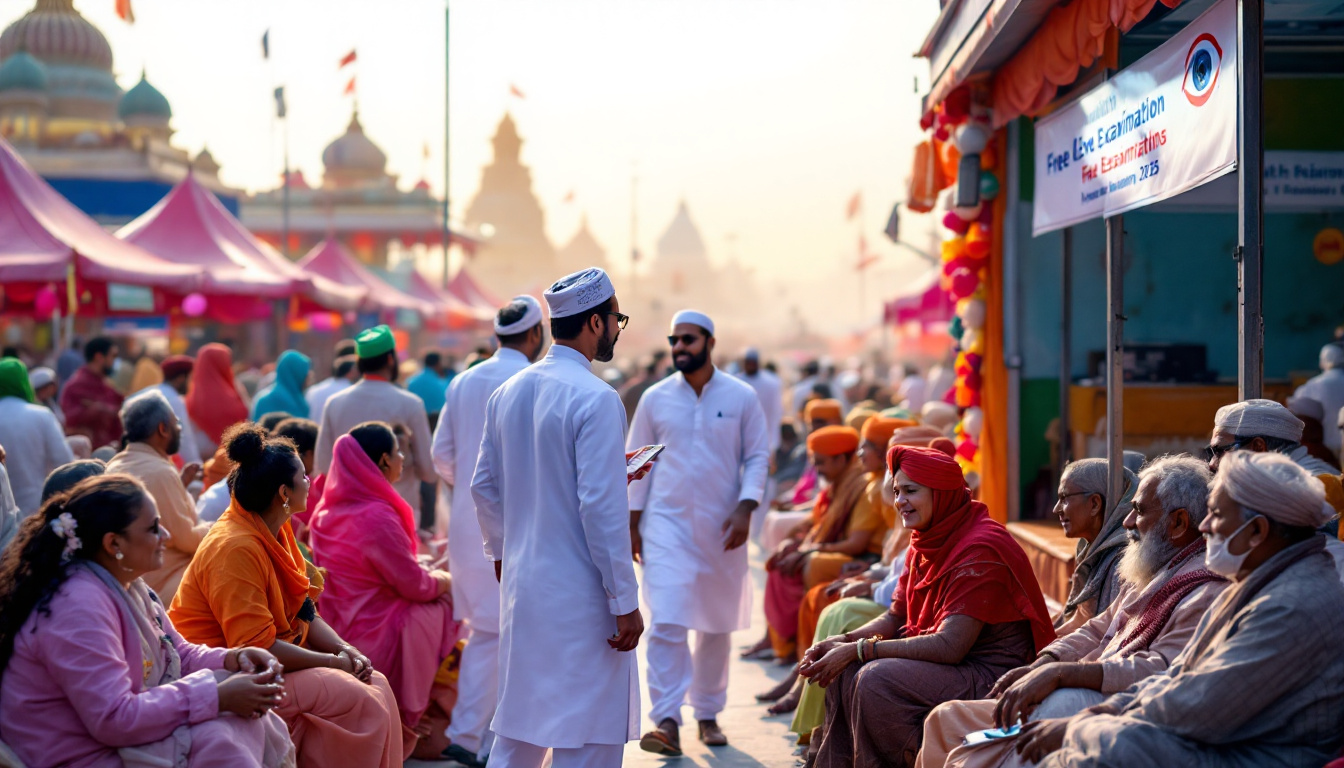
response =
{"points": [[375, 341]]}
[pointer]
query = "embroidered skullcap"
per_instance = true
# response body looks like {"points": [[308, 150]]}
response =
{"points": [[374, 341], [833, 441], [176, 365], [529, 319], [823, 409], [1275, 486], [1259, 418], [1307, 408], [41, 376], [578, 292], [694, 318], [929, 467]]}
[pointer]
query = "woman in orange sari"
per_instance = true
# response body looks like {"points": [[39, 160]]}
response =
{"points": [[248, 585]]}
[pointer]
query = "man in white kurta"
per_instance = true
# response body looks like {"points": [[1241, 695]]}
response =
{"points": [[690, 518], [457, 443], [550, 495], [768, 392]]}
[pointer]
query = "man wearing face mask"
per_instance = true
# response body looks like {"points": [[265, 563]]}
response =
{"points": [[688, 523], [376, 397], [1262, 680], [89, 402]]}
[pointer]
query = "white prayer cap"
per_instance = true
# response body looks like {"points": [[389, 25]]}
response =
{"points": [[530, 318], [1259, 418], [1307, 408], [1275, 486], [694, 318], [752, 353], [1332, 356], [580, 291], [41, 377]]}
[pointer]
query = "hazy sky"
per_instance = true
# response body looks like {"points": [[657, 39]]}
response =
{"points": [[765, 115]]}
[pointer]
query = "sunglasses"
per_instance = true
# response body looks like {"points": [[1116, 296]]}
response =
{"points": [[621, 320], [1214, 451], [686, 339]]}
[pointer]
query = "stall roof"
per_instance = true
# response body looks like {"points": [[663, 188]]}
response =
{"points": [[42, 235], [334, 261], [190, 225], [465, 287], [925, 303], [457, 309]]}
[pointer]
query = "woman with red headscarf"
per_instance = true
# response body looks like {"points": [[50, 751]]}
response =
{"points": [[966, 610], [213, 402]]}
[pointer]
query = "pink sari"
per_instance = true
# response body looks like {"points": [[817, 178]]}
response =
{"points": [[378, 596]]}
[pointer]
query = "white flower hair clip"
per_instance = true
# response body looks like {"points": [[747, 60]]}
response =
{"points": [[64, 526]]}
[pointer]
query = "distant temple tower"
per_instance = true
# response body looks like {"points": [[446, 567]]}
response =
{"points": [[517, 256], [681, 264], [582, 251]]}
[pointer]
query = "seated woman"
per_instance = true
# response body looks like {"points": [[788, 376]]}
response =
{"points": [[1084, 514], [967, 609], [378, 594], [249, 585], [95, 674]]}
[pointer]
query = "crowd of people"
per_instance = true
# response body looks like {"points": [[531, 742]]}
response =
{"points": [[203, 566]]}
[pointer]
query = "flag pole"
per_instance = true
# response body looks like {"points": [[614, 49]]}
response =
{"points": [[284, 196], [445, 234], [634, 238]]}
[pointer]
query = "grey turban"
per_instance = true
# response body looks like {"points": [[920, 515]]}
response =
{"points": [[1275, 486], [1259, 418]]}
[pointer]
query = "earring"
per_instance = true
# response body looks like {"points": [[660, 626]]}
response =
{"points": [[121, 557], [286, 506]]}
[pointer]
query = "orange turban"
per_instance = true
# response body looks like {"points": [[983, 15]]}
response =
{"points": [[879, 429], [833, 441], [823, 409]]}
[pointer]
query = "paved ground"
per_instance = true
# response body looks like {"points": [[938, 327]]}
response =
{"points": [[757, 741]]}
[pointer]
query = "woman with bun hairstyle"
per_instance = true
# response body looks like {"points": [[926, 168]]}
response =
{"points": [[378, 594], [249, 585], [94, 674]]}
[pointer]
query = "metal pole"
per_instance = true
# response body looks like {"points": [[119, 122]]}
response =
{"points": [[1065, 353], [1115, 356], [634, 236], [445, 234], [284, 195], [1011, 280], [1250, 198]]}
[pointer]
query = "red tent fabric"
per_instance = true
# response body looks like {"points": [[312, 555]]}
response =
{"points": [[335, 262], [926, 303], [465, 287], [42, 234], [457, 313], [189, 225]]}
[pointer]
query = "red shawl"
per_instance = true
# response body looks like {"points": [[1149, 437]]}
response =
{"points": [[964, 563], [213, 401]]}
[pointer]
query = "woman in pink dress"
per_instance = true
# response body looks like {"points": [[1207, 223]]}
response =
{"points": [[379, 596], [94, 675]]}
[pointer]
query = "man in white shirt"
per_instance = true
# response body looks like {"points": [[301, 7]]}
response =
{"points": [[1327, 388], [32, 438], [550, 493], [688, 523], [176, 380], [344, 372], [457, 442], [768, 391]]}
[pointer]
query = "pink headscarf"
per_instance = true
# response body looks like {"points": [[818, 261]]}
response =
{"points": [[354, 483]]}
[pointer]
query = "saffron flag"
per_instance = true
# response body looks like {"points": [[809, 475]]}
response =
{"points": [[855, 203], [350, 87], [348, 58], [280, 101], [124, 11], [514, 91]]}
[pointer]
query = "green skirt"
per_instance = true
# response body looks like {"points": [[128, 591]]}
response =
{"points": [[838, 618]]}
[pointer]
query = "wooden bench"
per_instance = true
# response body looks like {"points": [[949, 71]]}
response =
{"points": [[1050, 555]]}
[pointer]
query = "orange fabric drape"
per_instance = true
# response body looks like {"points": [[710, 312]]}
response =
{"points": [[1071, 37], [993, 371]]}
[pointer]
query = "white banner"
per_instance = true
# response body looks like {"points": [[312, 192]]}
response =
{"points": [[1308, 181], [1160, 127]]}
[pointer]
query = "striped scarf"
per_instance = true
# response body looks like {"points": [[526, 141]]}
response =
{"points": [[1164, 602]]}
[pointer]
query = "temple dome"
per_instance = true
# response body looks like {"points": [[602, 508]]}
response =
{"points": [[354, 155], [144, 100], [54, 32], [22, 72]]}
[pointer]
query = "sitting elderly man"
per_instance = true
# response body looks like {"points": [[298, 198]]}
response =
{"points": [[153, 433], [1165, 591], [1264, 425], [1262, 680]]}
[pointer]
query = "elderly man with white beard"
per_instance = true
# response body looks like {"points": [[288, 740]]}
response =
{"points": [[1262, 680], [1166, 590]]}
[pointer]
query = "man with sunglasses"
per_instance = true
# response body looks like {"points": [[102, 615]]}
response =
{"points": [[689, 521], [550, 493]]}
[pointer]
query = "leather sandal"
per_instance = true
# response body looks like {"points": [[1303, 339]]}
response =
{"points": [[711, 735], [663, 740]]}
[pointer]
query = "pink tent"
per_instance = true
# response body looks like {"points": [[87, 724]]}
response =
{"points": [[465, 287], [926, 303], [456, 313], [333, 261], [42, 235], [189, 225]]}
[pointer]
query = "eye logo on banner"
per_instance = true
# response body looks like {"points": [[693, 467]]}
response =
{"points": [[1201, 69]]}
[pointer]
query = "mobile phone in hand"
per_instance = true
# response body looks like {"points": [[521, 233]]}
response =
{"points": [[641, 458]]}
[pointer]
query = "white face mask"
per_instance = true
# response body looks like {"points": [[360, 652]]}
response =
{"points": [[1217, 557]]}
